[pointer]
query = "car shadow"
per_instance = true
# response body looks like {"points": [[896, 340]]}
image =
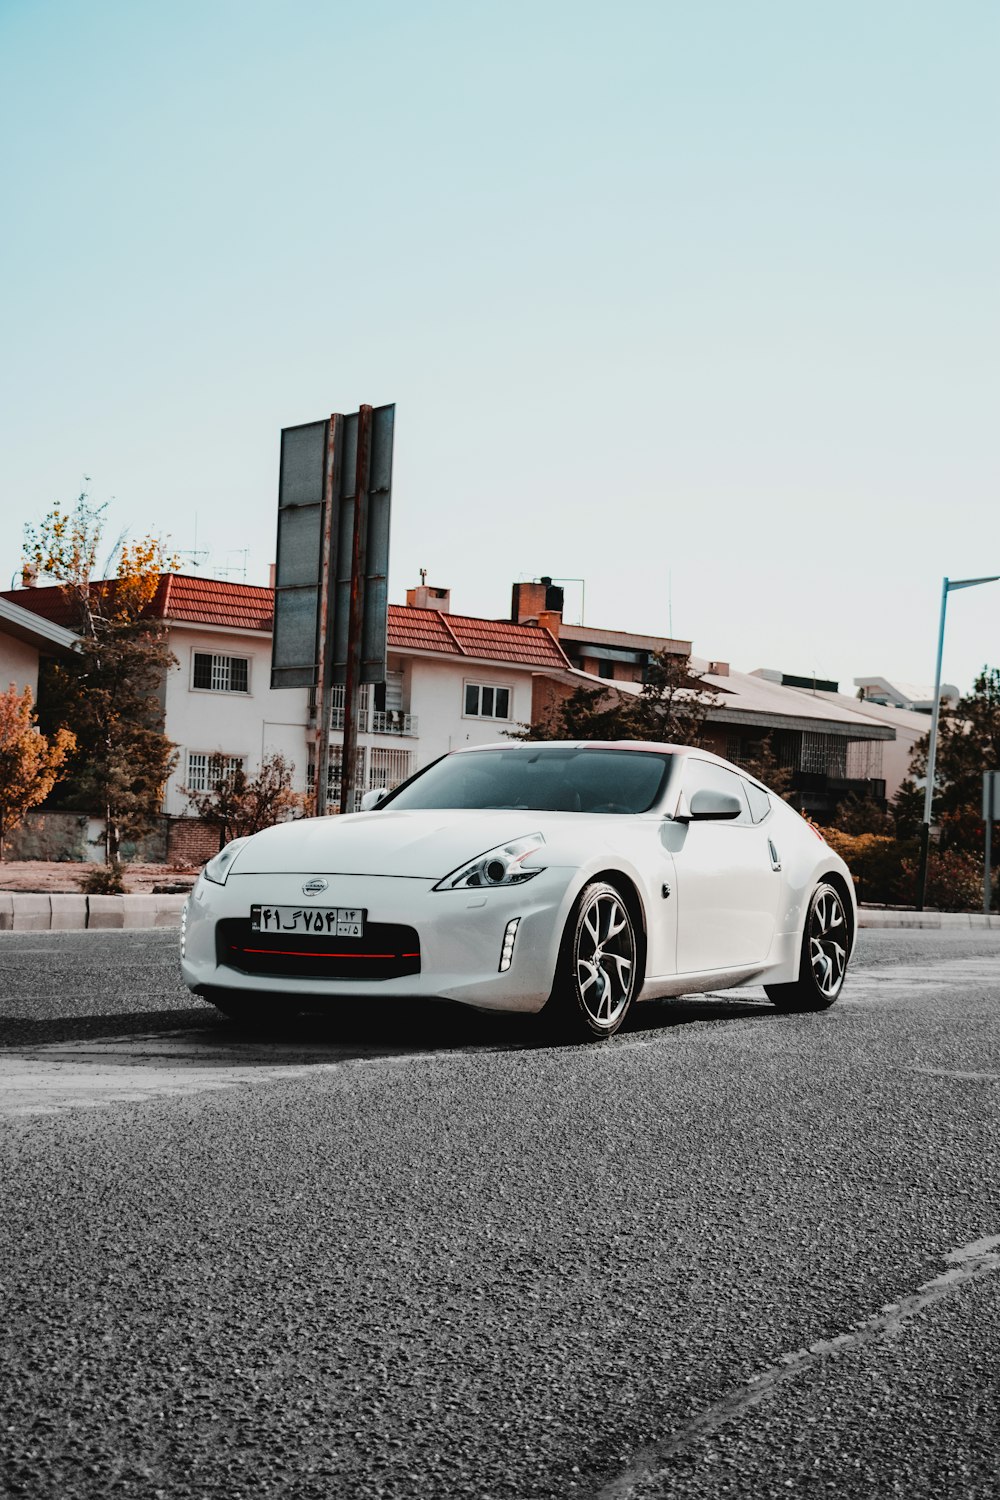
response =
{"points": [[393, 1027], [199, 1033], [21, 1031]]}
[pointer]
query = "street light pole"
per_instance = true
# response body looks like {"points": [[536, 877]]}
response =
{"points": [[947, 585]]}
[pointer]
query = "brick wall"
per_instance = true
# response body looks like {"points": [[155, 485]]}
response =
{"points": [[191, 842]]}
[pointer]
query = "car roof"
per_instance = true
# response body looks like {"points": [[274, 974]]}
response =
{"points": [[660, 747]]}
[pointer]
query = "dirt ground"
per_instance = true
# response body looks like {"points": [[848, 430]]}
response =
{"points": [[64, 877]]}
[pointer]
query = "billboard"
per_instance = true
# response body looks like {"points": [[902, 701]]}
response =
{"points": [[328, 471]]}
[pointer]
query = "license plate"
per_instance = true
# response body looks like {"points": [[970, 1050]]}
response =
{"points": [[322, 921]]}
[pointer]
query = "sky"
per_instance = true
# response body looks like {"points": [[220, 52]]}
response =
{"points": [[695, 303]]}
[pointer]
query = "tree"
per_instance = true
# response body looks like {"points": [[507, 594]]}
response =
{"points": [[109, 692], [968, 745], [674, 703], [239, 805], [585, 714], [671, 708], [30, 764], [763, 764]]}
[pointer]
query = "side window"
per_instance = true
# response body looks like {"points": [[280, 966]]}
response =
{"points": [[702, 773], [760, 802]]}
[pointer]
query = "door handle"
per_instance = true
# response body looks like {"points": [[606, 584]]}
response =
{"points": [[775, 857]]}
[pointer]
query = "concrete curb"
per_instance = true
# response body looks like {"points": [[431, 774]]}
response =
{"points": [[966, 919], [62, 913]]}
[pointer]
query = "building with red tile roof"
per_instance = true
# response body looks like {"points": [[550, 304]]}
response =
{"points": [[183, 600], [452, 680]]}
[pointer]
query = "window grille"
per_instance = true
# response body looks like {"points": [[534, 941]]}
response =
{"points": [[824, 754], [337, 706], [333, 778], [221, 674], [205, 767], [744, 750], [388, 767], [864, 760]]}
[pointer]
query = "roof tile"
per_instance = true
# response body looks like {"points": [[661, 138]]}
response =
{"points": [[244, 606]]}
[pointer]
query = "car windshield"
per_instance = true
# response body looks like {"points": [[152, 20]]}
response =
{"points": [[567, 779]]}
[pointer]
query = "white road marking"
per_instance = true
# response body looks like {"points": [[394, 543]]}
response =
{"points": [[650, 1466], [42, 1084], [957, 1073], [899, 980], [58, 1076]]}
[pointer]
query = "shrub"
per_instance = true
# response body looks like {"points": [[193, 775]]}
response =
{"points": [[105, 880], [876, 862], [954, 879]]}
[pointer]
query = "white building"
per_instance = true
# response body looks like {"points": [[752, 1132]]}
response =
{"points": [[456, 680], [452, 680], [24, 639], [914, 697]]}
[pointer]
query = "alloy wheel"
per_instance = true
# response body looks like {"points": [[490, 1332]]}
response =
{"points": [[604, 961], [828, 942]]}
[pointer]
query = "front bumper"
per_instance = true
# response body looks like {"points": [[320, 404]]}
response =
{"points": [[460, 933]]}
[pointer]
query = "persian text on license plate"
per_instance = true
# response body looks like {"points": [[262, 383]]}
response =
{"points": [[324, 921]]}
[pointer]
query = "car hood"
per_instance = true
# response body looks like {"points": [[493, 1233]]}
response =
{"points": [[418, 844]]}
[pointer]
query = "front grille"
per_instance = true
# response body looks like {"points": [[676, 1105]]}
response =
{"points": [[387, 951]]}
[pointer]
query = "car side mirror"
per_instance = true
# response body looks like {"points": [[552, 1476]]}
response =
{"points": [[707, 805], [371, 799]]}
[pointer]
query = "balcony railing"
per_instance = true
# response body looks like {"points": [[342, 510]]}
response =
{"points": [[393, 721], [372, 720]]}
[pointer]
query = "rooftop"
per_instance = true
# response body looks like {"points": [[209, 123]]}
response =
{"points": [[244, 606], [40, 632]]}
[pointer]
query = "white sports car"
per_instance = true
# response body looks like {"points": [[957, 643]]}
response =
{"points": [[578, 878]]}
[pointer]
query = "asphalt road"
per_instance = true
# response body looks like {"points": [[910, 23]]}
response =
{"points": [[426, 1255]]}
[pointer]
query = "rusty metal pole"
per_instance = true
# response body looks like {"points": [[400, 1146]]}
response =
{"points": [[324, 674], [358, 548]]}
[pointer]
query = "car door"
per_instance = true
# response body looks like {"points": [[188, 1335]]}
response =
{"points": [[727, 879]]}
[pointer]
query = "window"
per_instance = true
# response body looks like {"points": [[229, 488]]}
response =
{"points": [[486, 702], [362, 703], [760, 802], [221, 674], [548, 778], [704, 773], [333, 774], [205, 767], [824, 754], [387, 767]]}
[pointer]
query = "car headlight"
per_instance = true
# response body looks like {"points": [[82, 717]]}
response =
{"points": [[504, 865], [220, 864]]}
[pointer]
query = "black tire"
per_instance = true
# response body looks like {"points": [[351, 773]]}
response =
{"points": [[826, 947], [597, 974]]}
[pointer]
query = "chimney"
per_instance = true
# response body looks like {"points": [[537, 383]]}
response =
{"points": [[718, 668], [529, 600], [272, 574], [425, 597], [550, 620]]}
